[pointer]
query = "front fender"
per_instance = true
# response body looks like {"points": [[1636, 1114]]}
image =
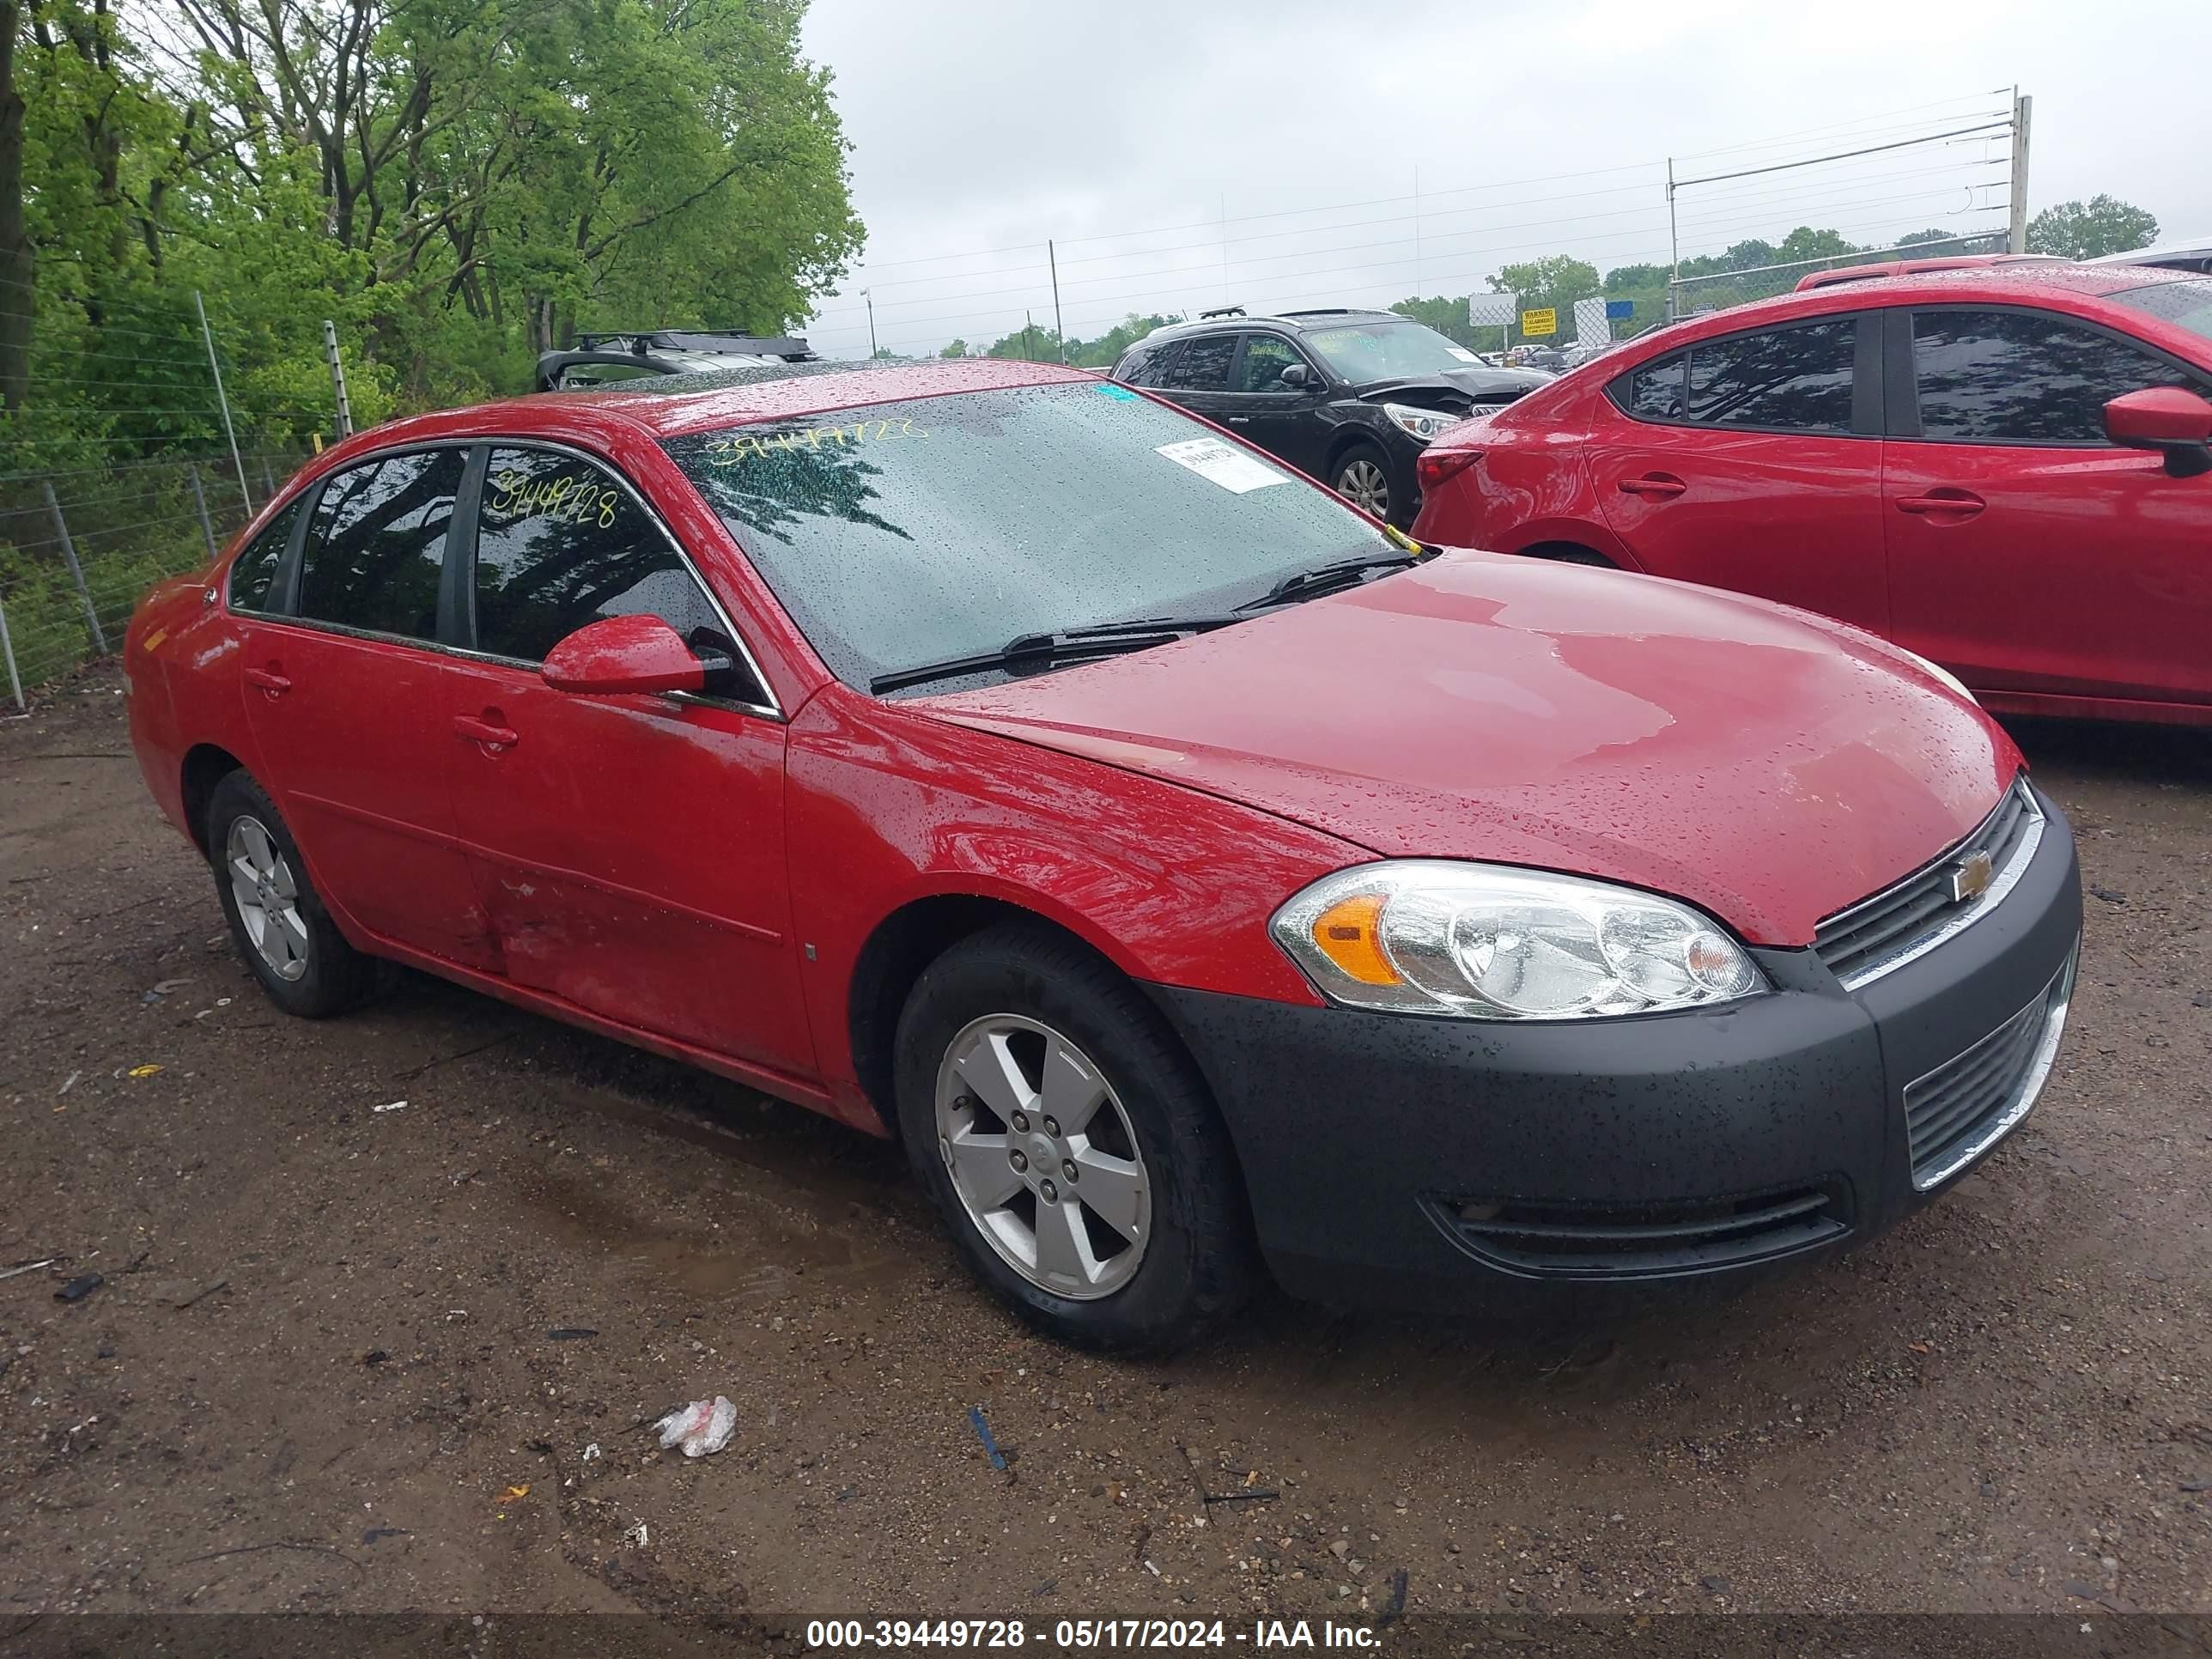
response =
{"points": [[887, 806]]}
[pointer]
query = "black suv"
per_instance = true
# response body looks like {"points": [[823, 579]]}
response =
{"points": [[1349, 397]]}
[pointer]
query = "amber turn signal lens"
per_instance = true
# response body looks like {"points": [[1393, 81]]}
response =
{"points": [[1350, 934]]}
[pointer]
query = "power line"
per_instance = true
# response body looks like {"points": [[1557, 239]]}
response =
{"points": [[1815, 160], [1839, 127]]}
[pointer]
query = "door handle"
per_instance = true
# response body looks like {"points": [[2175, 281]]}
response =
{"points": [[1656, 489], [268, 680], [492, 736], [1962, 502], [1240, 420]]}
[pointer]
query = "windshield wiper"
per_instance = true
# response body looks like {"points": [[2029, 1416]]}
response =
{"points": [[1066, 645], [1325, 578]]}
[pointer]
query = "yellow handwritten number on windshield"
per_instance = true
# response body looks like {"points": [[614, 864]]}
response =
{"points": [[728, 451]]}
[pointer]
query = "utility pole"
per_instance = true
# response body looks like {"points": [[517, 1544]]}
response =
{"points": [[1053, 256], [2023, 112], [337, 377], [870, 297], [1674, 243]]}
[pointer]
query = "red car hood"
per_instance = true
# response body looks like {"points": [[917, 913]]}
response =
{"points": [[1764, 764]]}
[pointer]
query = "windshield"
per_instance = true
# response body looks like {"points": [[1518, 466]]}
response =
{"points": [[1386, 351], [2187, 303], [907, 533]]}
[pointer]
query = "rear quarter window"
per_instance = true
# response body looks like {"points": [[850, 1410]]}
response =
{"points": [[1654, 391]]}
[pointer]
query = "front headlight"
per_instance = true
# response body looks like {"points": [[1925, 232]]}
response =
{"points": [[1422, 423], [1484, 941]]}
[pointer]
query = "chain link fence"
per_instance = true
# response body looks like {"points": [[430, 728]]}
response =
{"points": [[79, 546]]}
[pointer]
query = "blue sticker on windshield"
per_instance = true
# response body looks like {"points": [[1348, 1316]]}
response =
{"points": [[1107, 389]]}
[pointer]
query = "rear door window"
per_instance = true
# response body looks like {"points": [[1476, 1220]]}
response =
{"points": [[253, 573], [2024, 377], [1150, 364], [560, 542], [1787, 379], [377, 544], [1202, 365]]}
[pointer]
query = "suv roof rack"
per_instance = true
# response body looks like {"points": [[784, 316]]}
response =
{"points": [[640, 342]]}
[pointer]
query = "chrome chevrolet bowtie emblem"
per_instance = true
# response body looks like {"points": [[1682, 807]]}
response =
{"points": [[1969, 877]]}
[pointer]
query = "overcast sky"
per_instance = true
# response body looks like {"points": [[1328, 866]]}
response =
{"points": [[1127, 129]]}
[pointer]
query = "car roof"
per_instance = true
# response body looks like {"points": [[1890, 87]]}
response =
{"points": [[669, 405], [1836, 274], [2186, 246], [1326, 317], [1995, 284]]}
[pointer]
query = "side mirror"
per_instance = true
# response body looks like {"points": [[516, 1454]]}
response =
{"points": [[624, 653], [2175, 421], [1297, 376]]}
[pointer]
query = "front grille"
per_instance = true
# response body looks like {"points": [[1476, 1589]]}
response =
{"points": [[1904, 922], [1957, 1112], [1645, 1241]]}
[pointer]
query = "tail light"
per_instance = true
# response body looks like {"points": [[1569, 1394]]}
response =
{"points": [[1434, 467]]}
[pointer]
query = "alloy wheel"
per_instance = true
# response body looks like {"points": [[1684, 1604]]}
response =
{"points": [[268, 897], [1363, 484], [1044, 1157]]}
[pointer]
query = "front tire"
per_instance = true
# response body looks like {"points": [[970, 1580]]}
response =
{"points": [[1070, 1144], [277, 917]]}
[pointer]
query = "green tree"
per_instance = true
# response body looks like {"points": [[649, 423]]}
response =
{"points": [[1554, 282], [1806, 243], [456, 183], [1029, 343], [2085, 230], [957, 349], [1557, 279], [1102, 352], [1446, 315]]}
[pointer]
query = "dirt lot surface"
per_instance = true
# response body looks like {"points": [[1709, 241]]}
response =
{"points": [[350, 1354]]}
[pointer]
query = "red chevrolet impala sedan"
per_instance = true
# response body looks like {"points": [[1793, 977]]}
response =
{"points": [[2008, 469], [1191, 873]]}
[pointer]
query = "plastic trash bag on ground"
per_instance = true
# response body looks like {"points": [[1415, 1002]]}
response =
{"points": [[701, 1428]]}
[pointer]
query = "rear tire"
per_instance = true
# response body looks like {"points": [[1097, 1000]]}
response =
{"points": [[1124, 1229], [277, 917], [1361, 476]]}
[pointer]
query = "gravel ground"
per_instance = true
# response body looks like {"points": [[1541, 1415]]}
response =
{"points": [[350, 1354]]}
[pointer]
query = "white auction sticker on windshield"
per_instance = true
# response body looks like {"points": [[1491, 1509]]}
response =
{"points": [[1223, 463], [1463, 354]]}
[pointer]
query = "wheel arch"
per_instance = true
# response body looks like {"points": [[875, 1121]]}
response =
{"points": [[1349, 437], [1569, 552], [899, 949], [206, 765], [1549, 538]]}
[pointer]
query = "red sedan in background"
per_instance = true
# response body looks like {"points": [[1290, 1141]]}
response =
{"points": [[1189, 870], [2005, 470]]}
